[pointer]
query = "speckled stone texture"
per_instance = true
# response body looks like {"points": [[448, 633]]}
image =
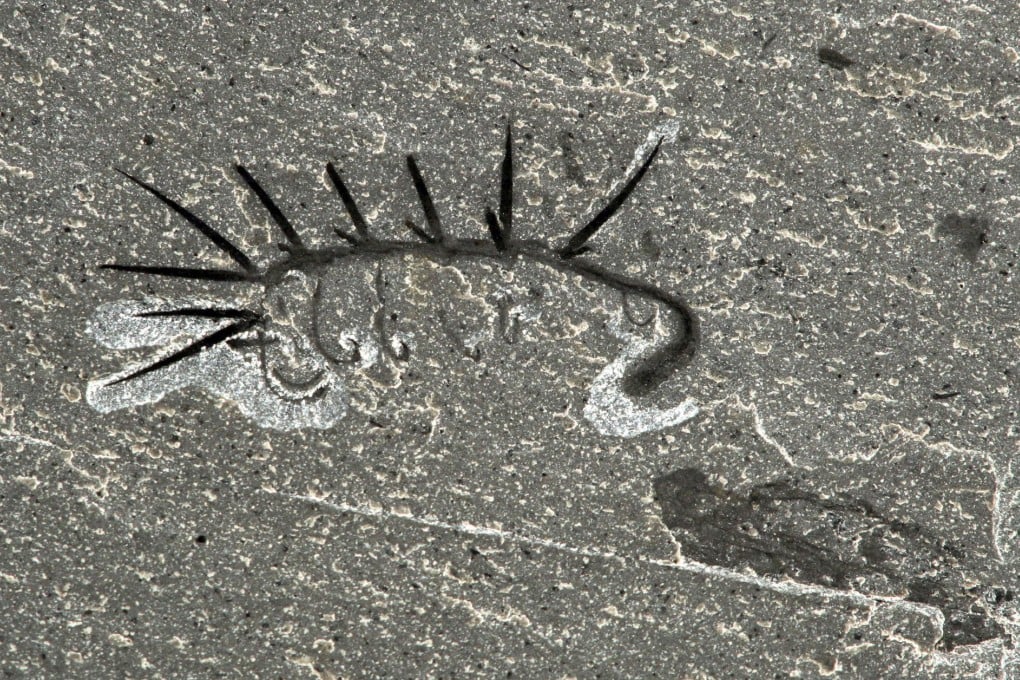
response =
{"points": [[835, 197]]}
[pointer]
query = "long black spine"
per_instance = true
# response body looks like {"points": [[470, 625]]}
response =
{"points": [[582, 235], [427, 206], [506, 188], [274, 211], [360, 225], [182, 272], [216, 237], [192, 349]]}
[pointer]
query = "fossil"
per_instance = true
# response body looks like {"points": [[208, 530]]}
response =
{"points": [[256, 328]]}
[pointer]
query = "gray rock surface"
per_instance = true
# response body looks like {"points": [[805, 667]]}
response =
{"points": [[453, 482]]}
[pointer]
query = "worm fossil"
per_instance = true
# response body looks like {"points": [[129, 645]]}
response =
{"points": [[502, 246]]}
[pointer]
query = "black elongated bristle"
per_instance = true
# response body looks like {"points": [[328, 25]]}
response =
{"points": [[427, 206], [350, 238], [506, 187], [418, 231], [205, 313], [192, 349], [245, 343], [216, 237], [360, 225], [582, 235], [274, 211], [182, 272], [497, 233]]}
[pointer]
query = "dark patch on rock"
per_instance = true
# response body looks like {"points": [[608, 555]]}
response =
{"points": [[971, 232], [649, 245], [836, 60], [840, 542], [571, 167]]}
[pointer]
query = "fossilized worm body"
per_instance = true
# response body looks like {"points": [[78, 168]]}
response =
{"points": [[641, 378], [361, 250]]}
